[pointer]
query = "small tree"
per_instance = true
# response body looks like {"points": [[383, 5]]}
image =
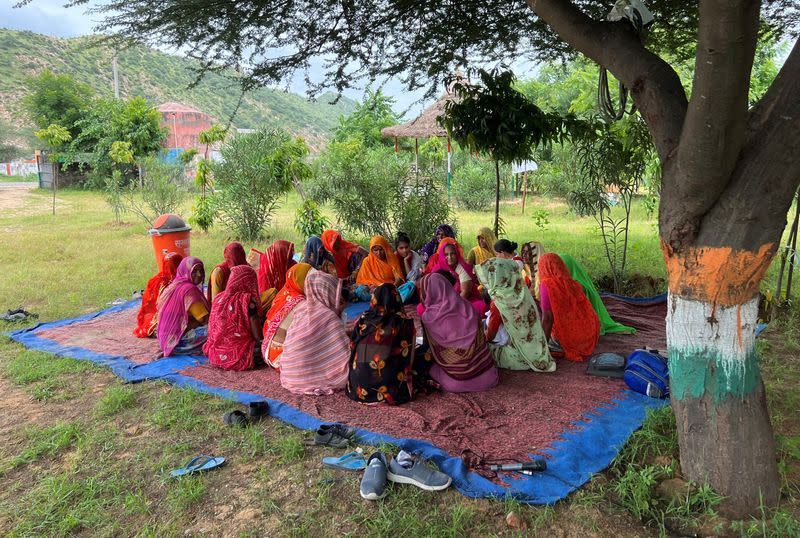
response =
{"points": [[56, 137], [257, 169], [371, 115], [121, 154], [613, 163], [203, 211], [495, 118], [162, 190]]}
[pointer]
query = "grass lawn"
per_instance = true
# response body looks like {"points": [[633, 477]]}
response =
{"points": [[83, 453], [30, 178]]}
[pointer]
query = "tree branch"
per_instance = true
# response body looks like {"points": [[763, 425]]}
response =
{"points": [[655, 86], [768, 168], [714, 129]]}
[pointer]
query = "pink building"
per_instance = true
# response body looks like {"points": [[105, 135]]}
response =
{"points": [[184, 124]]}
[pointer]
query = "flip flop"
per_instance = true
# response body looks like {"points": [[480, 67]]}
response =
{"points": [[198, 464], [352, 461]]}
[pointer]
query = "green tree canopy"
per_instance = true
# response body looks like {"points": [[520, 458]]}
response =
{"points": [[57, 99], [372, 114]]}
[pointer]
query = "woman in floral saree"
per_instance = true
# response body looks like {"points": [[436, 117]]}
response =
{"points": [[382, 351]]}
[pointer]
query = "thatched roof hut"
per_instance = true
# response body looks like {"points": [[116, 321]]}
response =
{"points": [[425, 125]]}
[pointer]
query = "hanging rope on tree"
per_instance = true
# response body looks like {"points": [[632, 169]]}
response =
{"points": [[638, 15]]}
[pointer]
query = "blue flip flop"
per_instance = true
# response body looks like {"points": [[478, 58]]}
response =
{"points": [[352, 461], [198, 464]]}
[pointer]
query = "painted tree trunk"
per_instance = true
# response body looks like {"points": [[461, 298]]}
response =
{"points": [[717, 393]]}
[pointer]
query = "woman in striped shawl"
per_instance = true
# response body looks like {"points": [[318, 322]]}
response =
{"points": [[316, 351]]}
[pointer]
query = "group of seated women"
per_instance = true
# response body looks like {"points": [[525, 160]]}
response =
{"points": [[490, 309]]}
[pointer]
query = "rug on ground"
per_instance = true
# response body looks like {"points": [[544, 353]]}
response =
{"points": [[577, 422]]}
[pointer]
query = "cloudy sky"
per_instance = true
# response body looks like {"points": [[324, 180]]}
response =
{"points": [[51, 18]]}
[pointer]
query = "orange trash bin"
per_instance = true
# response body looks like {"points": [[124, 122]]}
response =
{"points": [[170, 233]]}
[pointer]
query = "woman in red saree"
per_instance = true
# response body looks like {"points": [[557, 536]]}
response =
{"points": [[566, 312], [347, 256], [234, 255], [234, 327], [146, 320], [273, 264]]}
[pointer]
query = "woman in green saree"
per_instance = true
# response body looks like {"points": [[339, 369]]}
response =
{"points": [[607, 325], [527, 347]]}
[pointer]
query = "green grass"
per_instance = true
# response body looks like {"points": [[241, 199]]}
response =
{"points": [[116, 399], [32, 178], [48, 441]]}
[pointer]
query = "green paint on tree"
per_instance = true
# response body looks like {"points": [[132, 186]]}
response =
{"points": [[694, 373]]}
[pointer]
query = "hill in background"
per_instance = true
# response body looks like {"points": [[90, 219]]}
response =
{"points": [[158, 77]]}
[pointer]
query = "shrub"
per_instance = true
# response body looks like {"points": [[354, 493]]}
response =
{"points": [[373, 191], [361, 184], [473, 186], [421, 209], [257, 169], [162, 191], [309, 220], [114, 196]]}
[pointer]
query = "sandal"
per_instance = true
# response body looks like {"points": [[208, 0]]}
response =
{"points": [[352, 461], [198, 464]]}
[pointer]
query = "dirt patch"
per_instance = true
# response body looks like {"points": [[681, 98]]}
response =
{"points": [[20, 200]]}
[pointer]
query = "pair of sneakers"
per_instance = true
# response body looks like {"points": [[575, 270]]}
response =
{"points": [[379, 471]]}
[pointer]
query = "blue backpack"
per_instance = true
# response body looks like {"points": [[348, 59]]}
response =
{"points": [[646, 372]]}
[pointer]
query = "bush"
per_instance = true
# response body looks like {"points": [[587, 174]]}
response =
{"points": [[422, 208], [473, 186], [309, 220], [373, 191], [114, 196], [163, 190], [257, 169]]}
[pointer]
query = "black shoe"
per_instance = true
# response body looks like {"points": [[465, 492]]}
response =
{"points": [[335, 435], [348, 432], [235, 418], [258, 409]]}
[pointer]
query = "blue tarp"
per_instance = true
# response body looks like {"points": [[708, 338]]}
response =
{"points": [[586, 449]]}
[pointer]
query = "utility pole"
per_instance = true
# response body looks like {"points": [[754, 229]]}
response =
{"points": [[116, 76]]}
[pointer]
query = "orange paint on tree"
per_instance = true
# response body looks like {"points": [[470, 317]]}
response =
{"points": [[719, 275]]}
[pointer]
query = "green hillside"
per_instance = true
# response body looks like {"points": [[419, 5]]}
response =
{"points": [[159, 78]]}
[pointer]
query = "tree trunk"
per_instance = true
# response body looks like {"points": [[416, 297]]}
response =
{"points": [[497, 199], [524, 189], [717, 394]]}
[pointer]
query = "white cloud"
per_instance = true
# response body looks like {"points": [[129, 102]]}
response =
{"points": [[47, 17]]}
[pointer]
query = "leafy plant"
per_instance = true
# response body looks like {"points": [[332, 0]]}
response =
{"points": [[162, 190], [541, 218], [114, 195], [361, 184], [309, 220], [256, 170], [373, 192], [472, 186], [634, 489], [420, 206], [613, 161], [203, 212], [57, 99], [364, 124]]}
